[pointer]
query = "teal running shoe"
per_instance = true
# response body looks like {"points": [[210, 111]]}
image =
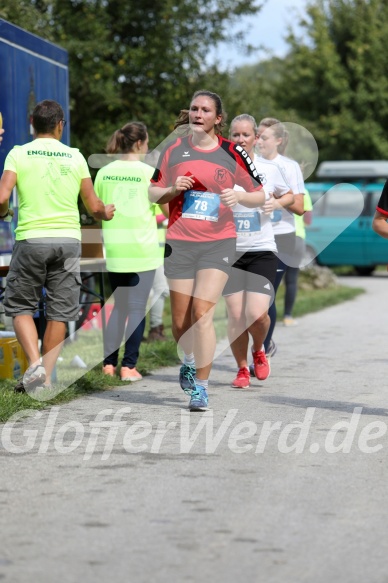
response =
{"points": [[187, 378], [199, 399]]}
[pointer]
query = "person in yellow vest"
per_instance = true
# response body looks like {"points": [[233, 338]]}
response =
{"points": [[131, 245], [48, 176]]}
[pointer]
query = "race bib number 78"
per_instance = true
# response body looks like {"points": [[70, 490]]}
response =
{"points": [[200, 205]]}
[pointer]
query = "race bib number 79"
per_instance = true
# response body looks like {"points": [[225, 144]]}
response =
{"points": [[247, 223]]}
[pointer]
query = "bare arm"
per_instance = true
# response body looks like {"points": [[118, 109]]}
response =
{"points": [[93, 204], [7, 184], [298, 206], [274, 203], [165, 210], [162, 195], [380, 225], [231, 197]]}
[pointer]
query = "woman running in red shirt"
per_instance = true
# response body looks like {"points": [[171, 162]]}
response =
{"points": [[196, 174]]}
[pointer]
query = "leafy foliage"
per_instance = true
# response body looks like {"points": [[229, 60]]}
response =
{"points": [[130, 59], [251, 90], [336, 78], [33, 16], [333, 80]]}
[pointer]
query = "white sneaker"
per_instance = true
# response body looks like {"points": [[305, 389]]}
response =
{"points": [[34, 376]]}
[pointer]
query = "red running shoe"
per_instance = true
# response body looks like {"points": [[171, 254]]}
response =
{"points": [[243, 379], [261, 365]]}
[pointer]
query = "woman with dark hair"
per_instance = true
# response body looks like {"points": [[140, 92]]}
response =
{"points": [[196, 174], [131, 245]]}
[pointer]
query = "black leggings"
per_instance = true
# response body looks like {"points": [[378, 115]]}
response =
{"points": [[291, 277], [286, 247], [272, 313]]}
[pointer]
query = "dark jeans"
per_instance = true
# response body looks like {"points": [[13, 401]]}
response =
{"points": [[131, 291]]}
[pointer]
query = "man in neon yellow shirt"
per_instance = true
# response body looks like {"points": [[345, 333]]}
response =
{"points": [[48, 176]]}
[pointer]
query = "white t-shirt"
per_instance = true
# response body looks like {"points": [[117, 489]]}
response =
{"points": [[283, 221], [253, 227]]}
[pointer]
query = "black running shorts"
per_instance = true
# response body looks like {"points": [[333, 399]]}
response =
{"points": [[254, 271]]}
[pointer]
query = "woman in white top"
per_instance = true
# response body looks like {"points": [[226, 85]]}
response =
{"points": [[272, 143], [249, 290]]}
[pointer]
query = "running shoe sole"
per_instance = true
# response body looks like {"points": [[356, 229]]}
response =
{"points": [[236, 386], [198, 407]]}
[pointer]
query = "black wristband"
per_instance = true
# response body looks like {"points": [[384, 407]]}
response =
{"points": [[6, 215]]}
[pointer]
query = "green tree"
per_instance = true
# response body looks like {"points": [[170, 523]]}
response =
{"points": [[130, 59], [33, 16], [335, 78], [250, 90]]}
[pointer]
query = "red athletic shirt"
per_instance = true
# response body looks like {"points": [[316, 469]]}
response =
{"points": [[214, 170], [382, 205]]}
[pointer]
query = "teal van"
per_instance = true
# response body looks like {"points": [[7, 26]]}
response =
{"points": [[344, 201]]}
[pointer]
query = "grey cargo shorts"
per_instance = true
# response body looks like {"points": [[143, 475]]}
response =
{"points": [[49, 262]]}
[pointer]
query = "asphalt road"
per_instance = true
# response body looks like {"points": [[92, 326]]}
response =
{"points": [[285, 482]]}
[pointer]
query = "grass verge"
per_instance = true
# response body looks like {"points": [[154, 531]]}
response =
{"points": [[76, 382], [73, 382], [308, 301]]}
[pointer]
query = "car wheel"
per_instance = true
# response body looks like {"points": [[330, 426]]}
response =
{"points": [[365, 270]]}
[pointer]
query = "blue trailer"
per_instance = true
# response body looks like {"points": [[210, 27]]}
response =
{"points": [[31, 69]]}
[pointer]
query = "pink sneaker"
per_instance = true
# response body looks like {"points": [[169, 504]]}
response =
{"points": [[109, 370], [130, 374], [243, 379], [261, 365]]}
